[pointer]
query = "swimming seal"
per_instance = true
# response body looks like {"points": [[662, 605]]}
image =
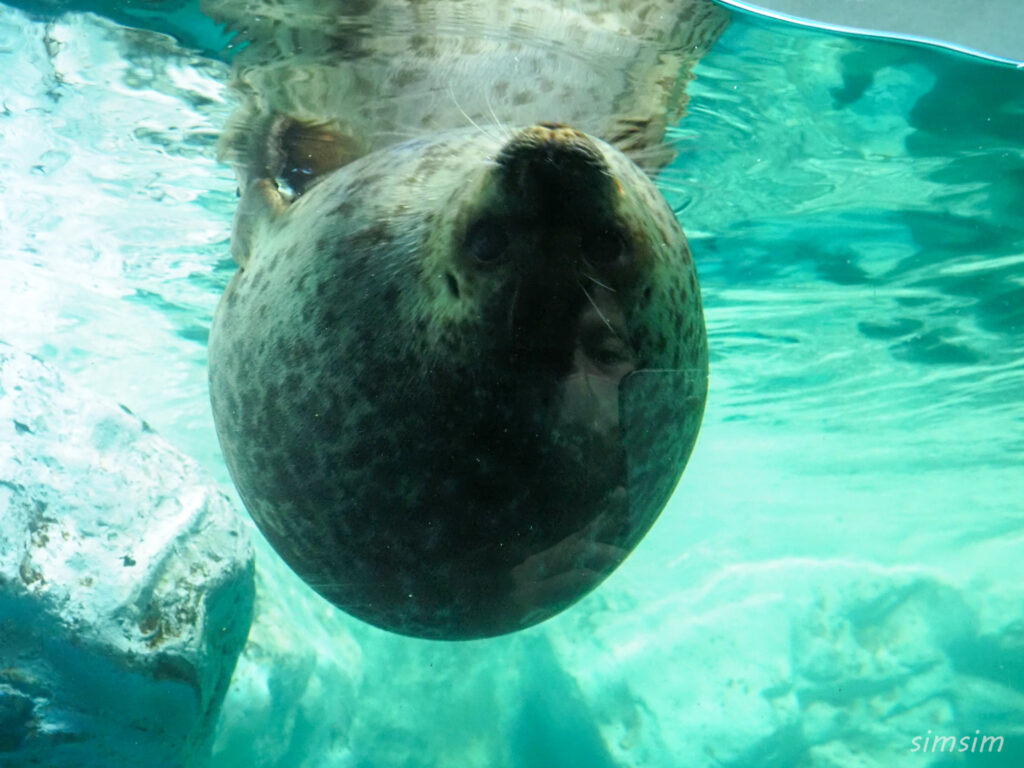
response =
{"points": [[456, 378]]}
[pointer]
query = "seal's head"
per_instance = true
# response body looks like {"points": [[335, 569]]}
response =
{"points": [[457, 380]]}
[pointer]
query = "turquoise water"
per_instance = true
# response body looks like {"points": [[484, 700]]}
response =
{"points": [[840, 570]]}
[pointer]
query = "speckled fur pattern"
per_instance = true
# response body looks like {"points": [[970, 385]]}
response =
{"points": [[362, 371]]}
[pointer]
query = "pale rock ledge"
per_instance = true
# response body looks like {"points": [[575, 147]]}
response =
{"points": [[126, 583]]}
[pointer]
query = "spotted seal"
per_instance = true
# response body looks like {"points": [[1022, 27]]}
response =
{"points": [[457, 376]]}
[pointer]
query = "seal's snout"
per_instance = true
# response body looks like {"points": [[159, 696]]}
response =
{"points": [[552, 164]]}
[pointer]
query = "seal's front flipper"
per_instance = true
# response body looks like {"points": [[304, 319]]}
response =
{"points": [[261, 203]]}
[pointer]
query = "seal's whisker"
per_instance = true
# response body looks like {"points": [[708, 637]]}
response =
{"points": [[502, 130], [593, 279], [465, 114], [597, 309]]}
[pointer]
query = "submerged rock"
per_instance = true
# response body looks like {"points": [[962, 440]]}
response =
{"points": [[126, 583], [823, 664]]}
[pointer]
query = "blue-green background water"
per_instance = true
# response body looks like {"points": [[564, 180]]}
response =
{"points": [[840, 570]]}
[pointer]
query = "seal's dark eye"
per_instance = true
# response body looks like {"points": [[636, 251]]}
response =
{"points": [[604, 247], [487, 242]]}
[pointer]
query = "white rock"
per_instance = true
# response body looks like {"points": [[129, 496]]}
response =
{"points": [[126, 583], [795, 661]]}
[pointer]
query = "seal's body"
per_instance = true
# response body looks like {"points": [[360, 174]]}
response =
{"points": [[456, 378]]}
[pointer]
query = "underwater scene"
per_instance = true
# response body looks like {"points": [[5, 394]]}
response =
{"points": [[837, 580]]}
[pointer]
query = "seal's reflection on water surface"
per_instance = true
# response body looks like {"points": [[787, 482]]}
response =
{"points": [[457, 377]]}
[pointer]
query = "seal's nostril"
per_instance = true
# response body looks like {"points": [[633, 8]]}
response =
{"points": [[453, 285]]}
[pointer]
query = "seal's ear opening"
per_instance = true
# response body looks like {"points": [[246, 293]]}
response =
{"points": [[311, 151], [266, 145]]}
